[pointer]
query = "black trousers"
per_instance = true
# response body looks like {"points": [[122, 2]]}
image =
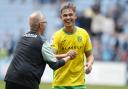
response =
{"points": [[10, 85]]}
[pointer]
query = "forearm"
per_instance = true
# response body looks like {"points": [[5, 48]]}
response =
{"points": [[59, 63], [56, 65], [90, 59], [60, 56], [71, 53]]}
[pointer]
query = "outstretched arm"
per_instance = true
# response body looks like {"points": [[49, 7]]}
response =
{"points": [[50, 57], [58, 63], [71, 53]]}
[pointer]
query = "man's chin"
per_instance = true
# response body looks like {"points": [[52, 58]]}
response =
{"points": [[68, 25]]}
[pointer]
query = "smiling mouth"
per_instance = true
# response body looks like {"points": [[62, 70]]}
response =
{"points": [[68, 21]]}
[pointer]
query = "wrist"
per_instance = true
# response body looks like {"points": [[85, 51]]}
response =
{"points": [[65, 55], [90, 62], [66, 58]]}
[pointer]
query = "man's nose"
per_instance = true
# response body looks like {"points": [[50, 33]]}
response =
{"points": [[68, 17]]}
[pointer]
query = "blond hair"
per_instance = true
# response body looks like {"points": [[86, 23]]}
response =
{"points": [[68, 5]]}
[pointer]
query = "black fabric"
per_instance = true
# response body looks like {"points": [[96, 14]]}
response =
{"points": [[56, 65], [28, 65], [10, 85]]}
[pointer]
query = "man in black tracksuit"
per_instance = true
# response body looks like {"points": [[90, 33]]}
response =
{"points": [[31, 55]]}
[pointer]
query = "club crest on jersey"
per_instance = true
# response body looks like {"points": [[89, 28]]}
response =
{"points": [[79, 38]]}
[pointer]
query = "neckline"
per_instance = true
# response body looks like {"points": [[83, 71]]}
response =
{"points": [[70, 33]]}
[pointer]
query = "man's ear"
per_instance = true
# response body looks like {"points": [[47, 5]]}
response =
{"points": [[39, 25]]}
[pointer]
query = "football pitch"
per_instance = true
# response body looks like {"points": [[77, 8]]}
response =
{"points": [[48, 86]]}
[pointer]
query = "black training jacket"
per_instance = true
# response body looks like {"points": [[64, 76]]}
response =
{"points": [[28, 63]]}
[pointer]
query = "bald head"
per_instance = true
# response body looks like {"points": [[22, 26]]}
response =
{"points": [[34, 20]]}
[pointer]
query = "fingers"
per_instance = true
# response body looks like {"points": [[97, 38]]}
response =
{"points": [[71, 53], [88, 68]]}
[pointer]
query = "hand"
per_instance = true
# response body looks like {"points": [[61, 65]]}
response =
{"points": [[66, 58], [88, 68], [71, 53]]}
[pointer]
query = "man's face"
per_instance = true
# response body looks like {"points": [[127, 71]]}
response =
{"points": [[42, 25], [68, 16]]}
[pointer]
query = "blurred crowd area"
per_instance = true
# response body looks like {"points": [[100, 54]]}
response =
{"points": [[105, 20]]}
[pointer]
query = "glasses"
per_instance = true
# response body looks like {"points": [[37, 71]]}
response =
{"points": [[43, 22]]}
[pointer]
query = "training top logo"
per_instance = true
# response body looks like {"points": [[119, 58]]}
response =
{"points": [[30, 35]]}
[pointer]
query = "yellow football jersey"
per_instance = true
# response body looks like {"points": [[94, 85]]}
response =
{"points": [[72, 73]]}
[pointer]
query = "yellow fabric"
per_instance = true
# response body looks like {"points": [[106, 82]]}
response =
{"points": [[72, 73]]}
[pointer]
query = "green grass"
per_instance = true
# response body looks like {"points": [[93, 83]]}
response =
{"points": [[106, 87], [48, 86], [2, 84]]}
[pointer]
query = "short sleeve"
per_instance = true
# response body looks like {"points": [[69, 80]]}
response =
{"points": [[88, 44], [54, 42]]}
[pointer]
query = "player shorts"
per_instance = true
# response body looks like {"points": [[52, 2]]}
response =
{"points": [[70, 87]]}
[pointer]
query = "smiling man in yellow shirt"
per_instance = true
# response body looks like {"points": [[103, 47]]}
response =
{"points": [[71, 37]]}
